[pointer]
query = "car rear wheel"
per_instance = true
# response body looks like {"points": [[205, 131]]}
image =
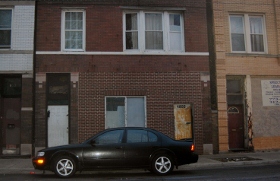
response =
{"points": [[64, 166], [162, 164]]}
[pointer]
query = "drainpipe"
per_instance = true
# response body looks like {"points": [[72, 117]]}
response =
{"points": [[34, 81]]}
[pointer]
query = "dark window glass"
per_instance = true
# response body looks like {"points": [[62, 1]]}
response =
{"points": [[235, 99], [140, 136], [152, 137], [58, 89], [11, 87], [110, 137], [137, 136], [5, 28], [112, 103], [234, 86]]}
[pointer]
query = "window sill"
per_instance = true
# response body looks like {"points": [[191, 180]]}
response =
{"points": [[122, 53], [251, 55]]}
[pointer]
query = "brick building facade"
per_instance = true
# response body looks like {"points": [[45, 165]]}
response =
{"points": [[114, 64], [247, 73]]}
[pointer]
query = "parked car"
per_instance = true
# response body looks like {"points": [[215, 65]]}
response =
{"points": [[118, 148]]}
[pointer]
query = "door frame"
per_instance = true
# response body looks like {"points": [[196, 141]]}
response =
{"points": [[240, 103], [14, 95], [66, 101]]}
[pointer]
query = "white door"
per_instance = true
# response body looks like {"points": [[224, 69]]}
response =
{"points": [[58, 126]]}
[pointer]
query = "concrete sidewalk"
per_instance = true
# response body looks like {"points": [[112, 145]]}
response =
{"points": [[236, 159], [24, 165]]}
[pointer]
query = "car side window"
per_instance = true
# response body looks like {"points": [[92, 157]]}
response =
{"points": [[152, 137], [140, 136], [137, 136], [110, 137]]}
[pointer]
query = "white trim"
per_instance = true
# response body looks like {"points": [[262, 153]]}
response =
{"points": [[165, 31], [122, 53], [247, 33], [125, 105], [63, 29]]}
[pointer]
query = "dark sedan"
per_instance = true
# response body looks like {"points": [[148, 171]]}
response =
{"points": [[118, 148]]}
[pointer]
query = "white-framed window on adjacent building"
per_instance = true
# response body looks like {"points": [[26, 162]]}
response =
{"points": [[125, 111], [5, 28], [146, 31], [73, 30], [247, 33]]}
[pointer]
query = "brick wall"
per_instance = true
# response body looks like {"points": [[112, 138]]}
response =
{"points": [[164, 80], [229, 63], [104, 30], [40, 115], [162, 91]]}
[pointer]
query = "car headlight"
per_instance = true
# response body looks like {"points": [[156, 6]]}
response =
{"points": [[40, 153]]}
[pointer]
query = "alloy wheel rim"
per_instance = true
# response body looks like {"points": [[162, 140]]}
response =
{"points": [[163, 164], [64, 167]]}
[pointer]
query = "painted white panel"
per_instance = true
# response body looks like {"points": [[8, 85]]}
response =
{"points": [[135, 112], [23, 27], [16, 62], [58, 126]]}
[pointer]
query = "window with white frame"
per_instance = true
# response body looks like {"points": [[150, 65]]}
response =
{"points": [[125, 112], [73, 30], [247, 33], [153, 31], [5, 28]]}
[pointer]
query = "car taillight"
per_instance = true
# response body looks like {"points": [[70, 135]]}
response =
{"points": [[192, 147]]}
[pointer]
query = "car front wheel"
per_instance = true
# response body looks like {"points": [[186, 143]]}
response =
{"points": [[162, 165], [64, 166]]}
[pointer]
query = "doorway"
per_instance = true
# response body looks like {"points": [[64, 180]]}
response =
{"points": [[235, 112], [183, 121], [10, 114], [58, 95]]}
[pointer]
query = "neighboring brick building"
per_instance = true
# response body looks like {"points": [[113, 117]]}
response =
{"points": [[247, 73], [109, 63], [16, 76]]}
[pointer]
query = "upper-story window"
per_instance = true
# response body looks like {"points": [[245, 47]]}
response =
{"points": [[153, 31], [5, 28], [73, 30], [247, 33]]}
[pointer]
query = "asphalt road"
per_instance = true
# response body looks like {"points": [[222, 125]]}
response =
{"points": [[240, 173]]}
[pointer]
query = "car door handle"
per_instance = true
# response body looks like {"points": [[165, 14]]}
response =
{"points": [[118, 147]]}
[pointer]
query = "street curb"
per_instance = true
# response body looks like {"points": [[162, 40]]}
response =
{"points": [[229, 164]]}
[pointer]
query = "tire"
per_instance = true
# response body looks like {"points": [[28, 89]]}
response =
{"points": [[162, 165], [64, 166]]}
